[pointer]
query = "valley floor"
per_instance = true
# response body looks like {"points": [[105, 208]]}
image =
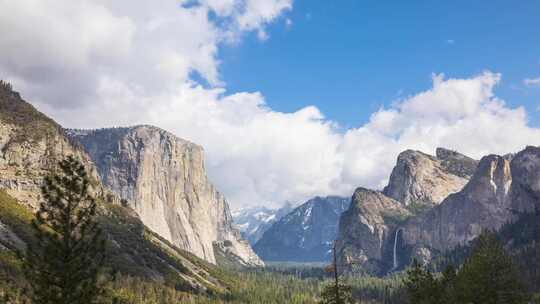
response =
{"points": [[269, 286]]}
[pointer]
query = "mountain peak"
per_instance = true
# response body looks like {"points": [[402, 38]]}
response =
{"points": [[420, 178]]}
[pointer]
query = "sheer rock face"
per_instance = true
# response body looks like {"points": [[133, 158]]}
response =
{"points": [[426, 180], [164, 180], [482, 204], [525, 190], [364, 229]]}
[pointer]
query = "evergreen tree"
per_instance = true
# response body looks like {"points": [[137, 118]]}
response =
{"points": [[422, 287], [64, 264], [343, 294], [489, 276], [448, 285], [336, 292]]}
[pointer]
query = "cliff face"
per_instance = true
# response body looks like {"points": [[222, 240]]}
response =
{"points": [[164, 180], [306, 233], [525, 189], [31, 144], [422, 179], [483, 204], [364, 229], [499, 185], [373, 227]]}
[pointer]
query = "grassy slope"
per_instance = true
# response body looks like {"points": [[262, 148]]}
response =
{"points": [[133, 250]]}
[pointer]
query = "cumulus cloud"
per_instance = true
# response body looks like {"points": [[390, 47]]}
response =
{"points": [[136, 66]]}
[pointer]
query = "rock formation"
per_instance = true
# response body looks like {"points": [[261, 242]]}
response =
{"points": [[163, 178], [499, 186], [30, 144], [482, 204], [421, 179], [371, 231], [366, 227]]}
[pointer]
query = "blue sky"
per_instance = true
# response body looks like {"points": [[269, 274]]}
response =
{"points": [[350, 57]]}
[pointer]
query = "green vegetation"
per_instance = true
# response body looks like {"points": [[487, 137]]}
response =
{"points": [[418, 207], [64, 264], [487, 276], [395, 218]]}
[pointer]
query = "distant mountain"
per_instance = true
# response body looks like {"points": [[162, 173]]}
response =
{"points": [[305, 234], [253, 222]]}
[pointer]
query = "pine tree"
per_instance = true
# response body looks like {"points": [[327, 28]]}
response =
{"points": [[336, 292], [64, 264], [489, 276], [422, 287]]}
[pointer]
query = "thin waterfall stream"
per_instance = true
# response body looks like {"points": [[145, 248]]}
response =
{"points": [[395, 265]]}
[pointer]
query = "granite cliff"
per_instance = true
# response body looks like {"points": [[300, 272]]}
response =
{"points": [[371, 230], [476, 196], [423, 179], [31, 144], [163, 178]]}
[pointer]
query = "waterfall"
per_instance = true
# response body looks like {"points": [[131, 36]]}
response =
{"points": [[395, 249]]}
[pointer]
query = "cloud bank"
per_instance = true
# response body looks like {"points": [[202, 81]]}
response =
{"points": [[102, 63]]}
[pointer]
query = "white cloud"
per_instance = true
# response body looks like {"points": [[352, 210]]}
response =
{"points": [[134, 66], [532, 81]]}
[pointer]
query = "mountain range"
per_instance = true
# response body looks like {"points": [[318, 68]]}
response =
{"points": [[433, 204], [253, 222], [306, 234]]}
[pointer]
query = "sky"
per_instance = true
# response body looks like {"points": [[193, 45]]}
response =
{"points": [[290, 99]]}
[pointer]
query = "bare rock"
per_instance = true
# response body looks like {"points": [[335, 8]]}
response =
{"points": [[364, 229], [164, 180], [425, 180]]}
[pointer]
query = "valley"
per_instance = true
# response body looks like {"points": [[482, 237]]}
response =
{"points": [[172, 238]]}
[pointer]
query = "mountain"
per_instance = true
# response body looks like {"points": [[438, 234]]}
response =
{"points": [[253, 222], [364, 229], [371, 230], [500, 188], [305, 234], [163, 178], [421, 179], [31, 144]]}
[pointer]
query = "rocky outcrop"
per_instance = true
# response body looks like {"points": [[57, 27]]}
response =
{"points": [[30, 145], [305, 234], [423, 180], [525, 189], [163, 178], [365, 229], [483, 204]]}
